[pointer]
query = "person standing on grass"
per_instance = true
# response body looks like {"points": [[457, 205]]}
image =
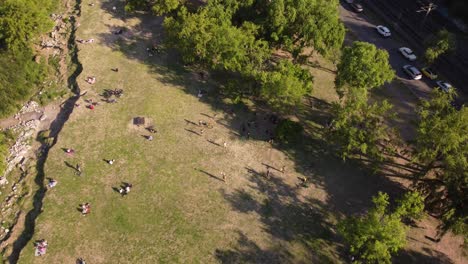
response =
{"points": [[223, 176], [78, 170], [268, 173]]}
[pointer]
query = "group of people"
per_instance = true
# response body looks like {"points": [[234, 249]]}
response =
{"points": [[82, 41], [125, 189]]}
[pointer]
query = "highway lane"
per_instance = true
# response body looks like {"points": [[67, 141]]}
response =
{"points": [[364, 30]]}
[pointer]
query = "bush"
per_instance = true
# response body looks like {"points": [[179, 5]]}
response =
{"points": [[288, 131]]}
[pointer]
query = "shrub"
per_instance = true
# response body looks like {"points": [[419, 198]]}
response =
{"points": [[288, 131]]}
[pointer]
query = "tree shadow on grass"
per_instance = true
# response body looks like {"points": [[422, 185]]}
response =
{"points": [[247, 251], [430, 257], [285, 217]]}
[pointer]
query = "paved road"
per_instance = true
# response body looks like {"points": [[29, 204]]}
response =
{"points": [[365, 31]]}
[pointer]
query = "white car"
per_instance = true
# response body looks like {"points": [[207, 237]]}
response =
{"points": [[444, 86], [407, 53], [413, 72], [383, 30]]}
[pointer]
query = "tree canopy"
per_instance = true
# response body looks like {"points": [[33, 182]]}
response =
{"points": [[286, 85], [442, 145], [374, 237], [296, 24], [442, 42], [362, 65], [214, 37], [358, 126], [209, 37]]}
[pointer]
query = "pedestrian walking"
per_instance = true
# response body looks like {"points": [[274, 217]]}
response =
{"points": [[223, 176], [268, 173], [225, 144], [282, 169]]}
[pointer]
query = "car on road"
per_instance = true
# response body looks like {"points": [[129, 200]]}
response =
{"points": [[444, 86], [429, 73], [407, 53], [383, 30], [413, 72], [349, 1], [357, 7]]}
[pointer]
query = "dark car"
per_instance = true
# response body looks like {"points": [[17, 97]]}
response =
{"points": [[357, 7]]}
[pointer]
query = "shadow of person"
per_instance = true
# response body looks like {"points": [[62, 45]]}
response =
{"points": [[70, 166]]}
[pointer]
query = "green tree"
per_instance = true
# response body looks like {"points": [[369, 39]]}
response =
{"points": [[296, 24], [162, 7], [359, 127], [374, 237], [442, 147], [209, 37], [443, 42], [285, 86], [362, 65]]}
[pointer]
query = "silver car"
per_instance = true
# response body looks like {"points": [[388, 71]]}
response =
{"points": [[407, 53], [383, 30], [413, 72], [444, 86]]}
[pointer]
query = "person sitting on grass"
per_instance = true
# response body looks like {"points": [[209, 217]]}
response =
{"points": [[52, 183], [85, 209], [91, 79], [41, 247], [70, 151], [125, 189]]}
